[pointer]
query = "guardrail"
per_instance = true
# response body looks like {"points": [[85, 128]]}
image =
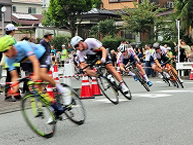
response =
{"points": [[180, 67]]}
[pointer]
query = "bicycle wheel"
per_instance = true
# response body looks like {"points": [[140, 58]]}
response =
{"points": [[108, 89], [173, 80], [75, 111], [142, 81], [177, 79], [165, 79], [37, 114]]}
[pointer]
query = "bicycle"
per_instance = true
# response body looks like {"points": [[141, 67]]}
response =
{"points": [[107, 83], [132, 67], [173, 76], [38, 108]]}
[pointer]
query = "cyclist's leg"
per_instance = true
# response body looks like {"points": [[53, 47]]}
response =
{"points": [[124, 88]]}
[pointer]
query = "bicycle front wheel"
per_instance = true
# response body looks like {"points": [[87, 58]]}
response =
{"points": [[108, 89], [37, 114], [177, 79], [75, 111], [142, 81]]}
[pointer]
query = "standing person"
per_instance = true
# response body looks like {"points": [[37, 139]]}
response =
{"points": [[46, 44], [10, 31], [58, 58], [53, 50], [64, 54], [92, 47]]}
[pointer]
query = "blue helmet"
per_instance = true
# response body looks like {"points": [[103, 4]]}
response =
{"points": [[75, 40]]}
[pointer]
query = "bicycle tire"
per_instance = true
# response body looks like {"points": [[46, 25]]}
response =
{"points": [[177, 79], [36, 113], [142, 81], [75, 111], [172, 80], [165, 79], [107, 87]]}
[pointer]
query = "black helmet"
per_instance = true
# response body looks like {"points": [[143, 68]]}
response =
{"points": [[156, 45]]}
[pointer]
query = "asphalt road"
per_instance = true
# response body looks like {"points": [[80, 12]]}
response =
{"points": [[160, 117]]}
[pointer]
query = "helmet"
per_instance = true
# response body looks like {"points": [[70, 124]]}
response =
{"points": [[75, 40], [6, 42], [156, 45], [123, 47]]}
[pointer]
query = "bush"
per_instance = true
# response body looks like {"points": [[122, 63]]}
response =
{"points": [[112, 43], [59, 40]]}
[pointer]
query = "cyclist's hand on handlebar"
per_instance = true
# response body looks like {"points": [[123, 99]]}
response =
{"points": [[103, 60], [98, 62]]}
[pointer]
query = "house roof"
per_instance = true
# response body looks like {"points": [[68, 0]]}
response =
{"points": [[99, 11], [27, 19], [165, 13]]}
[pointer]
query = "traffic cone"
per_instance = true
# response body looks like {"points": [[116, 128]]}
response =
{"points": [[191, 73], [50, 92], [55, 74], [86, 92], [95, 87]]}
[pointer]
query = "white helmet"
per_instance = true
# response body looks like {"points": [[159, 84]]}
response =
{"points": [[75, 40], [123, 47]]}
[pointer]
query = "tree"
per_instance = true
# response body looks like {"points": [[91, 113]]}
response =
{"points": [[141, 18], [106, 28], [65, 13], [184, 11]]}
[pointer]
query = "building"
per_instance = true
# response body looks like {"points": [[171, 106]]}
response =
{"points": [[27, 16]]}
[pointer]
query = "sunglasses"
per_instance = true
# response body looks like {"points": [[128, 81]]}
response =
{"points": [[77, 45]]}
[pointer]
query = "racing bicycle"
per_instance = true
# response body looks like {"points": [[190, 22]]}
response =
{"points": [[107, 83], [38, 107]]}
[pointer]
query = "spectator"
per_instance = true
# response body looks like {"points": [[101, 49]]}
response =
{"points": [[190, 56], [186, 48], [64, 54], [45, 42], [10, 31], [58, 56], [53, 50]]}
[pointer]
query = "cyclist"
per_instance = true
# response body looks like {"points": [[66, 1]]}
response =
{"points": [[127, 54], [25, 51], [158, 56], [92, 47]]}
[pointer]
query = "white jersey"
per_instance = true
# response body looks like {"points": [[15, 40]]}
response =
{"points": [[158, 55], [120, 56], [93, 46]]}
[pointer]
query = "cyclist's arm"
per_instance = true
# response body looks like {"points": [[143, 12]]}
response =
{"points": [[14, 77], [104, 53], [157, 63]]}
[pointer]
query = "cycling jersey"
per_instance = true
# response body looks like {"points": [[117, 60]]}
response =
{"points": [[130, 56], [24, 50], [93, 49]]}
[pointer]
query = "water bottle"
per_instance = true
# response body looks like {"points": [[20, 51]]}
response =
{"points": [[110, 77]]}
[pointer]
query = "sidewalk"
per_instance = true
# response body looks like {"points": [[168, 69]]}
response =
{"points": [[7, 107]]}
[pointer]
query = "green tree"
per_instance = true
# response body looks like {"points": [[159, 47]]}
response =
{"points": [[106, 28], [65, 13], [184, 11], [142, 17]]}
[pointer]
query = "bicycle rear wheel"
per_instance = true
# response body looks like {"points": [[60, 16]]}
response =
{"points": [[75, 111], [37, 114], [108, 89], [142, 81]]}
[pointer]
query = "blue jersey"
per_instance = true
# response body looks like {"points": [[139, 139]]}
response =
{"points": [[24, 50]]}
